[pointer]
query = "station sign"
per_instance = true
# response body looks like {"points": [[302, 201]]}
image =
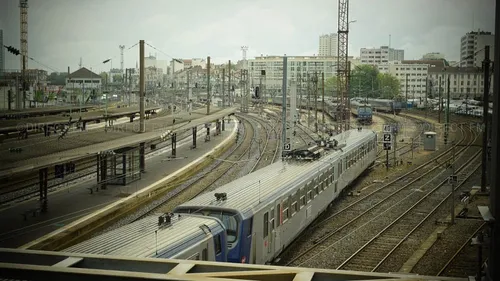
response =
{"points": [[287, 147], [387, 138], [387, 146], [387, 128]]}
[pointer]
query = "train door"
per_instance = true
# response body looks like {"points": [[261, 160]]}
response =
{"points": [[277, 228]]}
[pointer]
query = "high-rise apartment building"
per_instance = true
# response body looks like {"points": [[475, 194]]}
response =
{"points": [[472, 48], [328, 45], [382, 55]]}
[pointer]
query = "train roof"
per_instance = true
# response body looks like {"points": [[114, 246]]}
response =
{"points": [[138, 239], [252, 192]]}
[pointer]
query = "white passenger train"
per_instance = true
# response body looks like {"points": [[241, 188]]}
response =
{"points": [[252, 218], [162, 236]]}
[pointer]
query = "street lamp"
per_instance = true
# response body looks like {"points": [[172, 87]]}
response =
{"points": [[106, 101]]}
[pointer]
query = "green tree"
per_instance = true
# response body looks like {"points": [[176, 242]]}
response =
{"points": [[389, 86], [330, 86], [117, 78], [364, 81], [57, 78], [104, 77]]}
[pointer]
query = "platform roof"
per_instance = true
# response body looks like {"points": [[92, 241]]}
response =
{"points": [[44, 265], [14, 125], [47, 151], [40, 111]]}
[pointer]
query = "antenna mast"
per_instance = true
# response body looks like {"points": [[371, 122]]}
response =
{"points": [[122, 47], [342, 67], [23, 5], [244, 81]]}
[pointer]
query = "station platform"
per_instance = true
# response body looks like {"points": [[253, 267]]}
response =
{"points": [[39, 111], [70, 204], [38, 123], [40, 153]]}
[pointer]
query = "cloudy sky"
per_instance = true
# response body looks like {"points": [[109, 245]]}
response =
{"points": [[62, 31]]}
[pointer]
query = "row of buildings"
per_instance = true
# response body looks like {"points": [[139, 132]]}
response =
{"points": [[418, 78]]}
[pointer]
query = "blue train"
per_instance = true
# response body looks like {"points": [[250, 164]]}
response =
{"points": [[362, 111], [386, 105], [252, 219]]}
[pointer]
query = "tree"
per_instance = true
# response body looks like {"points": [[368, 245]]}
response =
{"points": [[364, 81], [104, 77], [389, 86], [117, 78], [57, 78], [330, 86]]}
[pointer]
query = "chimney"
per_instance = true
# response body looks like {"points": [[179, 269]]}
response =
{"points": [[68, 70]]}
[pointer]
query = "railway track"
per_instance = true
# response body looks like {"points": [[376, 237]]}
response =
{"points": [[464, 261], [27, 188], [28, 180], [382, 245], [202, 181], [330, 228], [269, 151]]}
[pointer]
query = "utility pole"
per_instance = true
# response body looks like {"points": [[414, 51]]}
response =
{"points": [[229, 84], [486, 89], [447, 117], [308, 100], [406, 90], [208, 85], [323, 97], [283, 106], [453, 186], [141, 86], [223, 88], [440, 101], [315, 100]]}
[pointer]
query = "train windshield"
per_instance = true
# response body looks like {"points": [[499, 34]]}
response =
{"points": [[364, 109]]}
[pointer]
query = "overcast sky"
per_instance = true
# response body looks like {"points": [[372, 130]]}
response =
{"points": [[62, 31]]}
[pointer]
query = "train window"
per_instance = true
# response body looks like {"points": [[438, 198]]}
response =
{"points": [[309, 196], [295, 207], [266, 224], [249, 230], [285, 214], [316, 189], [335, 187], [204, 255], [278, 215], [302, 200], [218, 245]]}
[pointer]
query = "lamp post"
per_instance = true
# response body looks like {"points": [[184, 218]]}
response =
{"points": [[106, 101]]}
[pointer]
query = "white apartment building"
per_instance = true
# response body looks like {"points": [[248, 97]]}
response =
{"points": [[328, 45], [472, 48], [433, 56], [464, 81], [382, 55], [412, 75], [299, 67]]}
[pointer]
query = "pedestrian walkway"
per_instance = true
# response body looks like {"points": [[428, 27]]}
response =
{"points": [[68, 205]]}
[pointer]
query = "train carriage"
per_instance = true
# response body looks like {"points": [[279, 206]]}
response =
{"points": [[263, 212], [171, 236]]}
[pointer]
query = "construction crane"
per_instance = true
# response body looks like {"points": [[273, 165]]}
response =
{"points": [[343, 114], [23, 5]]}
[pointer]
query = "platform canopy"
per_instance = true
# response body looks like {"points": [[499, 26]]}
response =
{"points": [[40, 265]]}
